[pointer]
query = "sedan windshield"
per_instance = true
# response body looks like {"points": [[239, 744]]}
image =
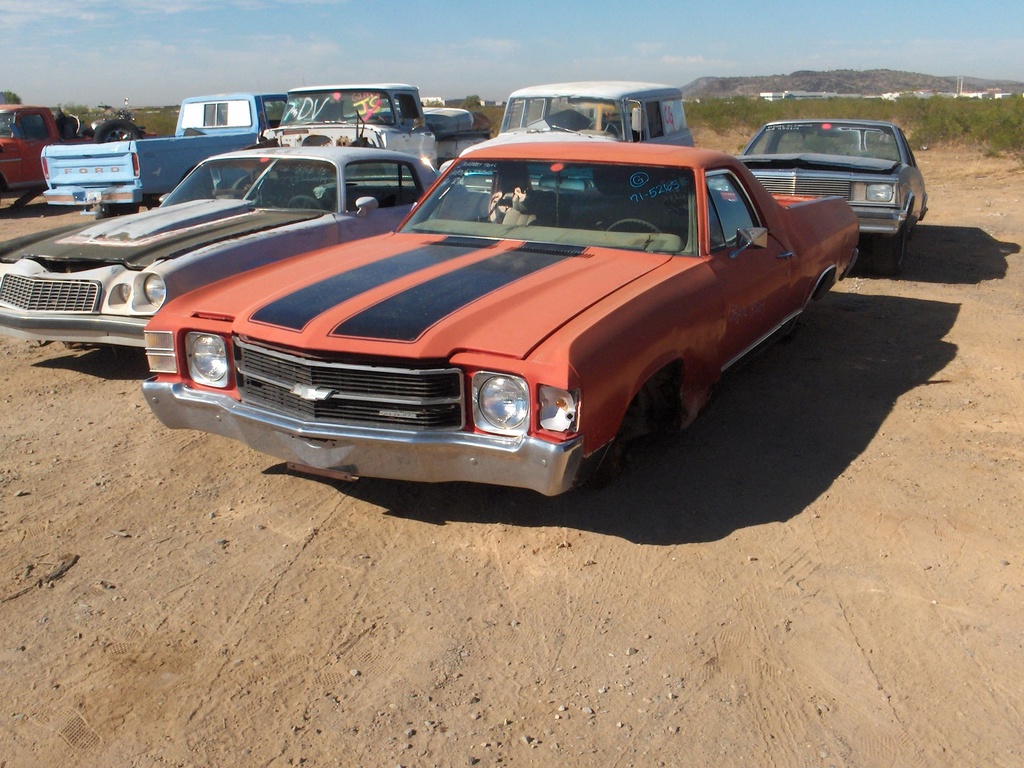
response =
{"points": [[268, 182], [648, 208], [826, 139]]}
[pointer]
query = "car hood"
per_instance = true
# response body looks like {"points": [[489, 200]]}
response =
{"points": [[815, 162], [138, 240], [422, 296]]}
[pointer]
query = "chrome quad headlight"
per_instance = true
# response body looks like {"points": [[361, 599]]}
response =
{"points": [[501, 403], [207, 355]]}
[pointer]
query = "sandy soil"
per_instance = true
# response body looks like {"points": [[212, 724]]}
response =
{"points": [[826, 569]]}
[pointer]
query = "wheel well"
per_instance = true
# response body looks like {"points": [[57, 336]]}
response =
{"points": [[657, 406], [825, 283]]}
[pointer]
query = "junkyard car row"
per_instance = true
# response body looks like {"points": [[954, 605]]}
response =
{"points": [[550, 298]]}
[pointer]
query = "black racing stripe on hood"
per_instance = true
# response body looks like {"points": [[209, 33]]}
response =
{"points": [[295, 310], [407, 315]]}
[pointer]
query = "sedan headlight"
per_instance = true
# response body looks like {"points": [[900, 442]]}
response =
{"points": [[207, 359], [879, 193], [154, 289], [501, 403]]}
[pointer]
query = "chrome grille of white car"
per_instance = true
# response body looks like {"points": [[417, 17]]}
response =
{"points": [[806, 186], [37, 294], [347, 393]]}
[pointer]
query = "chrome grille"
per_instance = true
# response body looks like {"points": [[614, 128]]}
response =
{"points": [[38, 294], [349, 393], [807, 186]]}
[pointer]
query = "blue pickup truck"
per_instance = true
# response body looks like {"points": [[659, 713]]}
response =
{"points": [[120, 176]]}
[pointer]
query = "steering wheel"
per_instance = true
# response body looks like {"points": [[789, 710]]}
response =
{"points": [[304, 201], [633, 223], [612, 129]]}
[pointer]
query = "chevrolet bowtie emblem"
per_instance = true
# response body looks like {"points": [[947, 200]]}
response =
{"points": [[307, 392]]}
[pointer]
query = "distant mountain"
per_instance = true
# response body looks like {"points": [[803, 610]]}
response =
{"points": [[871, 82]]}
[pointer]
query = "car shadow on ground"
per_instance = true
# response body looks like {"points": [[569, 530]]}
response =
{"points": [[36, 209], [777, 435], [106, 362], [955, 256]]}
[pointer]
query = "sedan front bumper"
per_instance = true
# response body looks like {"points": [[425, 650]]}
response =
{"points": [[82, 328], [876, 221], [430, 457]]}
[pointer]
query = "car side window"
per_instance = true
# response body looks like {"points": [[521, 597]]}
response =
{"points": [[34, 127], [728, 210], [408, 108], [654, 126], [391, 183]]}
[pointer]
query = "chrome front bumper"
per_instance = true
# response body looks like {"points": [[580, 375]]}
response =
{"points": [[874, 221], [86, 329], [429, 457]]}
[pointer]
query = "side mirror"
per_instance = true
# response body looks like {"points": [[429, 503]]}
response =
{"points": [[749, 237], [366, 204]]}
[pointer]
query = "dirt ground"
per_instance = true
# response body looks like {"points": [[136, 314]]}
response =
{"points": [[826, 569]]}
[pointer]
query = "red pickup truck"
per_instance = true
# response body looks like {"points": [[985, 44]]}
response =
{"points": [[24, 131]]}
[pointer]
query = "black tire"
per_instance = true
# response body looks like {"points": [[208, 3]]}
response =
{"points": [[116, 130], [887, 253]]}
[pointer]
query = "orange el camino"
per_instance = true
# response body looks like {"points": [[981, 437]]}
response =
{"points": [[541, 307]]}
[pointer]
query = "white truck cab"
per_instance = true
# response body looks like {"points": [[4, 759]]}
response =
{"points": [[596, 110], [385, 115]]}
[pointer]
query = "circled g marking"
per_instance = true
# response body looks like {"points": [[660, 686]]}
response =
{"points": [[638, 179]]}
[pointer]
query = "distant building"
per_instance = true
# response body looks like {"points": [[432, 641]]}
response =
{"points": [[783, 95]]}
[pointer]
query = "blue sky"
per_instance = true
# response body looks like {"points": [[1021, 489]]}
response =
{"points": [[157, 52]]}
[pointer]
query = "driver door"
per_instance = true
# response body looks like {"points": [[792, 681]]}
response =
{"points": [[755, 279]]}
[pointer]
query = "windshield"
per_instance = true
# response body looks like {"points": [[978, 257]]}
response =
{"points": [[338, 106], [649, 208], [826, 139], [267, 182], [564, 113]]}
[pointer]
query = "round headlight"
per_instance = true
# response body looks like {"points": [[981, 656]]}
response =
{"points": [[207, 359], [154, 289], [504, 403]]}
